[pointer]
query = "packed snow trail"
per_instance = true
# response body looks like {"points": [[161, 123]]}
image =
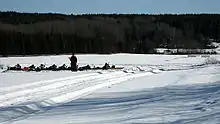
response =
{"points": [[175, 104], [61, 90], [41, 83], [35, 99], [43, 88]]}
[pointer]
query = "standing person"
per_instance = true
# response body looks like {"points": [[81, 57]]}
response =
{"points": [[73, 60]]}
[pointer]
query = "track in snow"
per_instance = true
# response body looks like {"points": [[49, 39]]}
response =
{"points": [[192, 104], [53, 91], [21, 101], [28, 99]]}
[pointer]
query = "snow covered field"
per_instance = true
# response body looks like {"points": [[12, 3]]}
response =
{"points": [[172, 89]]}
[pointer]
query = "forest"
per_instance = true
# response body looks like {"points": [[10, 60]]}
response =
{"points": [[52, 33]]}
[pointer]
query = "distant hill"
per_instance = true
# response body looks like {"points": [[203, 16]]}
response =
{"points": [[34, 33]]}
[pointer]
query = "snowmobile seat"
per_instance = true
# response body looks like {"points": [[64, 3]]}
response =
{"points": [[42, 66], [53, 68], [96, 68], [63, 67], [11, 68], [15, 68], [69, 68], [38, 69], [32, 67], [18, 67], [87, 67], [113, 67]]}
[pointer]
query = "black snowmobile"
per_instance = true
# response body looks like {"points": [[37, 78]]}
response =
{"points": [[64, 67]]}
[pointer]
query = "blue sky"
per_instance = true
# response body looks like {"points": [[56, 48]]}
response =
{"points": [[112, 6]]}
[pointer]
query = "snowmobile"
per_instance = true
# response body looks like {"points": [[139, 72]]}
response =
{"points": [[64, 67]]}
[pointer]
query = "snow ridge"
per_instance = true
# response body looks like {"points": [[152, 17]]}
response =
{"points": [[38, 97]]}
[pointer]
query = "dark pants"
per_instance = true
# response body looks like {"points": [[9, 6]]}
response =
{"points": [[73, 67]]}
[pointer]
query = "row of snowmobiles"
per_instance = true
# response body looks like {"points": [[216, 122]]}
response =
{"points": [[42, 67]]}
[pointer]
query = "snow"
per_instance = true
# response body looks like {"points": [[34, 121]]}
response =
{"points": [[172, 89], [215, 44]]}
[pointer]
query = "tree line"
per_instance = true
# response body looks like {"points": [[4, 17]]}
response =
{"points": [[51, 33]]}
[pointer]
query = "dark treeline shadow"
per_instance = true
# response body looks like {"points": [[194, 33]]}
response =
{"points": [[51, 33]]}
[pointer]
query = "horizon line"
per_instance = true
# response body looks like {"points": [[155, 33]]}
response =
{"points": [[112, 13]]}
